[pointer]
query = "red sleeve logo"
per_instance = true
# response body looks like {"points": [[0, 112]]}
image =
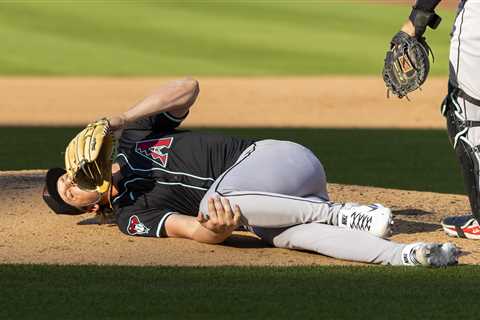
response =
{"points": [[135, 227], [154, 150]]}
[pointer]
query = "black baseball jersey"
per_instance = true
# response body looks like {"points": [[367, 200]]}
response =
{"points": [[165, 170]]}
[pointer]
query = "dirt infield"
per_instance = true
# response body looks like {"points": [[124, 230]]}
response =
{"points": [[33, 234], [343, 102]]}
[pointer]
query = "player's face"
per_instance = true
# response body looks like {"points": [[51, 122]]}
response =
{"points": [[73, 195]]}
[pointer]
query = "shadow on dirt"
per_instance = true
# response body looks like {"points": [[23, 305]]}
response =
{"points": [[245, 241], [408, 227], [411, 212], [96, 220], [21, 181]]}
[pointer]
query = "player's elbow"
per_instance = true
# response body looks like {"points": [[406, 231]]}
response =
{"points": [[191, 84], [190, 89], [187, 86]]}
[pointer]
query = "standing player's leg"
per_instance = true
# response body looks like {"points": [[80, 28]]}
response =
{"points": [[462, 111], [281, 183]]}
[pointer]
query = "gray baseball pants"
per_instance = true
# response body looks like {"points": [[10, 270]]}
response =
{"points": [[281, 189]]}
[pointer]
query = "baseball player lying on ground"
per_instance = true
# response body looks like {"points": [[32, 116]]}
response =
{"points": [[166, 182]]}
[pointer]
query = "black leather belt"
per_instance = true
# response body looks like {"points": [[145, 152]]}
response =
{"points": [[462, 94]]}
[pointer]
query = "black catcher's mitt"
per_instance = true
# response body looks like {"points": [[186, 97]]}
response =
{"points": [[406, 64]]}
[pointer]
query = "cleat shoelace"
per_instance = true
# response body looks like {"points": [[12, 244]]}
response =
{"points": [[361, 221]]}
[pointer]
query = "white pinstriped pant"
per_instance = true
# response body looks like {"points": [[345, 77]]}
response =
{"points": [[465, 49]]}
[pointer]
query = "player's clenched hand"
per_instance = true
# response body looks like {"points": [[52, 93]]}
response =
{"points": [[222, 219]]}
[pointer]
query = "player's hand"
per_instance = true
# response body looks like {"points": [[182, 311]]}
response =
{"points": [[117, 122], [222, 219]]}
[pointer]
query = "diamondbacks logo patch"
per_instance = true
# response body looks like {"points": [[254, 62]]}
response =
{"points": [[405, 64], [154, 150], [135, 227]]}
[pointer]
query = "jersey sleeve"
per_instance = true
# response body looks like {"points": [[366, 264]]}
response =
{"points": [[143, 222], [164, 121], [141, 129]]}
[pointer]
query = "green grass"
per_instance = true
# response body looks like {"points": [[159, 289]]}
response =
{"points": [[83, 292], [405, 159], [203, 37]]}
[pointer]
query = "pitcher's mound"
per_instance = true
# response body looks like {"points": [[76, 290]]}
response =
{"points": [[31, 233]]}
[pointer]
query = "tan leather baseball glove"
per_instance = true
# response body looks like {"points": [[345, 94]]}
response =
{"points": [[88, 157]]}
